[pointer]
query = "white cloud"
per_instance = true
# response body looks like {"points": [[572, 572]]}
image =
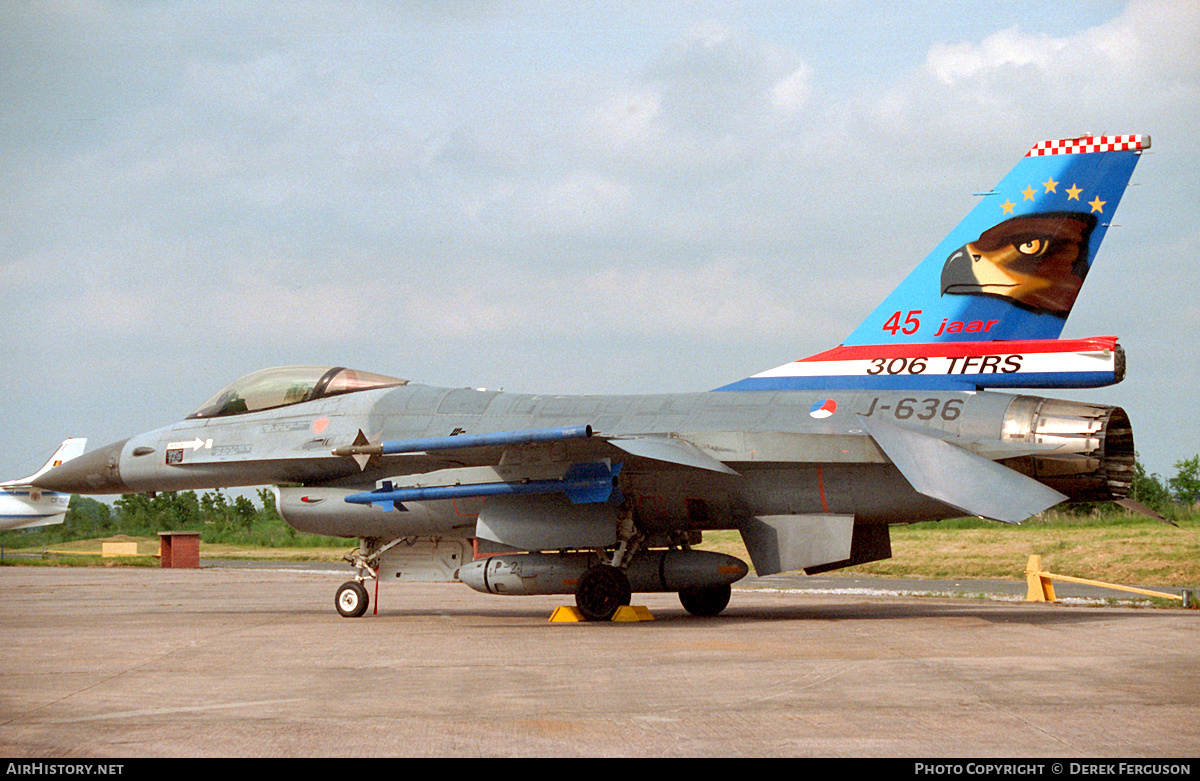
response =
{"points": [[1136, 72], [627, 119], [582, 200], [950, 63], [792, 91], [712, 99], [1149, 39]]}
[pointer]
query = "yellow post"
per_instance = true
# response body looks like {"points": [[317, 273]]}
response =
{"points": [[1041, 587], [1038, 587]]}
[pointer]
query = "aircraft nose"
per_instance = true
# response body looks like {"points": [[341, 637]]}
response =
{"points": [[97, 472]]}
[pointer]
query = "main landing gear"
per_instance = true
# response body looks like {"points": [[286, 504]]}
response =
{"points": [[709, 601], [602, 589]]}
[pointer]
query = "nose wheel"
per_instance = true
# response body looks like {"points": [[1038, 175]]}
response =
{"points": [[351, 599], [600, 591]]}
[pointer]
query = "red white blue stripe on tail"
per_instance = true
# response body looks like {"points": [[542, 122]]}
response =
{"points": [[1074, 363]]}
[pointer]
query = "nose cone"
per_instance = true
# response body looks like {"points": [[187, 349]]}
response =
{"points": [[97, 472]]}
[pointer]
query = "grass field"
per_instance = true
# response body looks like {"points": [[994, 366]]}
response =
{"points": [[1122, 549]]}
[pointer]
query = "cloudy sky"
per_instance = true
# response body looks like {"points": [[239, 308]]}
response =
{"points": [[552, 197]]}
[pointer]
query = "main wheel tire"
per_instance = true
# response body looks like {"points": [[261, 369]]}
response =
{"points": [[351, 599], [705, 601], [600, 591]]}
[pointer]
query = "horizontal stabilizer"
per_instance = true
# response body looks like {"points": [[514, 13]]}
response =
{"points": [[958, 478], [671, 450], [996, 449]]}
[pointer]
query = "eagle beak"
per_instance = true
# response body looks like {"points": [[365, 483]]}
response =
{"points": [[958, 275]]}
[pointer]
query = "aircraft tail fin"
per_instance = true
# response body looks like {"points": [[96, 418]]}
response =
{"points": [[996, 290], [70, 448], [1011, 270]]}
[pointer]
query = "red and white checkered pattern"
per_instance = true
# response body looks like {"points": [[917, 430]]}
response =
{"points": [[1085, 144]]}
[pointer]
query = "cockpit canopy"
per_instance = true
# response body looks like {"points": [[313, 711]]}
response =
{"points": [[286, 385]]}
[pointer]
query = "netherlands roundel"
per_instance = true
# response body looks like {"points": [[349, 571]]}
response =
{"points": [[823, 409]]}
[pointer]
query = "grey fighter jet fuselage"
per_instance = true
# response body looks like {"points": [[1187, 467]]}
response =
{"points": [[811, 462], [780, 459], [806, 490]]}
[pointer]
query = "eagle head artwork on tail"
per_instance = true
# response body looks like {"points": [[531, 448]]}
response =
{"points": [[1036, 261]]}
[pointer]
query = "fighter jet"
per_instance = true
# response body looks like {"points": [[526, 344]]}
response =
{"points": [[812, 461], [23, 506]]}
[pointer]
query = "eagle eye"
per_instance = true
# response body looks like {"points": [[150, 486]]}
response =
{"points": [[1032, 246]]}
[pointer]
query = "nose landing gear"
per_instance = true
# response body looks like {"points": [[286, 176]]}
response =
{"points": [[351, 599]]}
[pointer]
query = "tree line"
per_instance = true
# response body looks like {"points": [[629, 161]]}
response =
{"points": [[1182, 491], [219, 517]]}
